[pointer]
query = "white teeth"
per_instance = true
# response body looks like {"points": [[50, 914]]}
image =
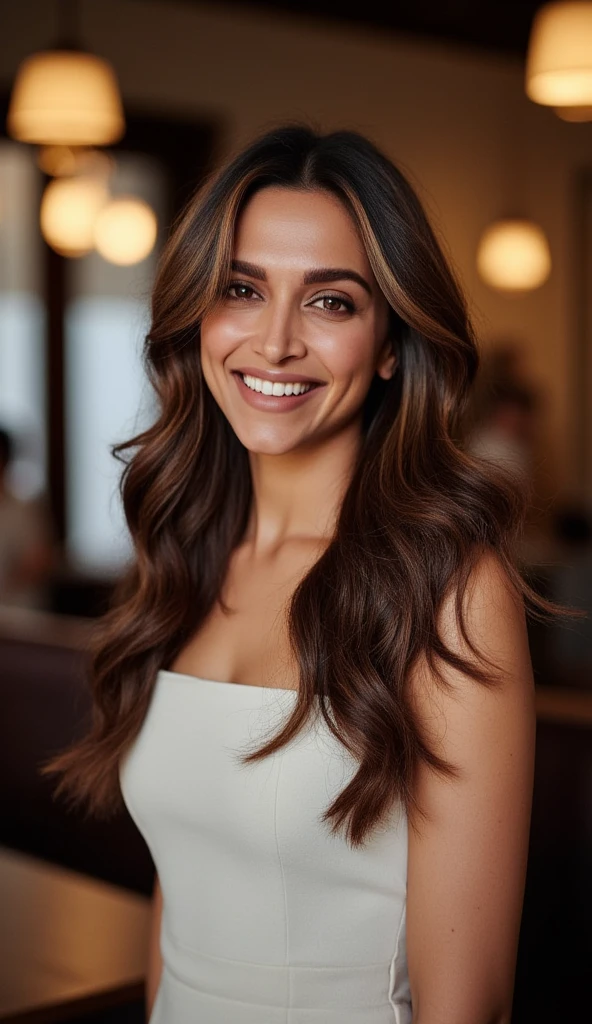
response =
{"points": [[268, 387]]}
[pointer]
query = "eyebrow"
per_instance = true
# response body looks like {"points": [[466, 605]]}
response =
{"points": [[318, 275]]}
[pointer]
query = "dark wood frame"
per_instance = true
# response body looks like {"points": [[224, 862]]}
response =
{"points": [[582, 369]]}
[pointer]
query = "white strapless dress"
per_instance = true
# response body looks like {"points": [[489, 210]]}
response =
{"points": [[267, 917]]}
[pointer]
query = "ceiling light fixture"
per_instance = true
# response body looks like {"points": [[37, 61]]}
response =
{"points": [[559, 60], [69, 210], [513, 255], [66, 96], [125, 231]]}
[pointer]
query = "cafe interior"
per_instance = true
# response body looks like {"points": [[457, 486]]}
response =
{"points": [[113, 113]]}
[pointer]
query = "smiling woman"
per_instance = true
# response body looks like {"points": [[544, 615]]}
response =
{"points": [[329, 343], [306, 520]]}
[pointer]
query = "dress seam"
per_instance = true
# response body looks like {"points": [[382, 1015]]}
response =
{"points": [[203, 993], [395, 957]]}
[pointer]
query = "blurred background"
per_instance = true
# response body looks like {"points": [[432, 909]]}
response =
{"points": [[112, 113]]}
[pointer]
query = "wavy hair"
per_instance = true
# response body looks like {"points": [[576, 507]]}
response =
{"points": [[366, 611]]}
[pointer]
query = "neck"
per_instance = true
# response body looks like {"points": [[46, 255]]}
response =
{"points": [[298, 495]]}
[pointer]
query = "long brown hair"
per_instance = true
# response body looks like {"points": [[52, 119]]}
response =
{"points": [[418, 512]]}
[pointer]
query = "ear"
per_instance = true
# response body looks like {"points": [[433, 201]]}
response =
{"points": [[387, 360]]}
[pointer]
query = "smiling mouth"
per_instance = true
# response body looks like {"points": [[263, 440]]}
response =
{"points": [[276, 388]]}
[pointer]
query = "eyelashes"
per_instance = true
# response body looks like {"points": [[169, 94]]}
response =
{"points": [[349, 306]]}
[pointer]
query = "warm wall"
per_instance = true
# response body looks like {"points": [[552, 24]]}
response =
{"points": [[456, 120]]}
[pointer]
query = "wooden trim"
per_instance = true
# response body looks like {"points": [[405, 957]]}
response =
{"points": [[582, 363], [55, 299]]}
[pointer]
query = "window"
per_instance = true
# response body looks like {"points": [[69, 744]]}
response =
{"points": [[22, 318], [107, 395]]}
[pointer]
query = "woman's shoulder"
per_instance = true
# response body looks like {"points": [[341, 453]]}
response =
{"points": [[492, 626]]}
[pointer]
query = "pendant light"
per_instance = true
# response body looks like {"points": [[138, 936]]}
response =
{"points": [[66, 96], [125, 230], [559, 60], [69, 209], [513, 255]]}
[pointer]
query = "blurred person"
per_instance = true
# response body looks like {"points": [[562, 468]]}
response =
{"points": [[26, 540], [571, 575], [506, 434], [504, 427], [314, 552]]}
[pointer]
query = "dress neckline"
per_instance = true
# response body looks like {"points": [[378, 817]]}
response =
{"points": [[218, 682]]}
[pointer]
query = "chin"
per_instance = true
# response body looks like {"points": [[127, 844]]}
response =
{"points": [[267, 445]]}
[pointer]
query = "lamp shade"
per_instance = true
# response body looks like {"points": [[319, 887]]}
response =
{"points": [[559, 61], [125, 231], [513, 255], [69, 209], [65, 97]]}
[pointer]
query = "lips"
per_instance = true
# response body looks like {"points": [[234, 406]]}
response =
{"points": [[273, 403]]}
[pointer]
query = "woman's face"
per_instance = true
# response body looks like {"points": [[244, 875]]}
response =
{"points": [[303, 313]]}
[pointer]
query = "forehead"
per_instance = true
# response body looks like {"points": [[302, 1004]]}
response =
{"points": [[300, 229]]}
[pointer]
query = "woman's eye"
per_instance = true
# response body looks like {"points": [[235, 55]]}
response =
{"points": [[332, 304], [242, 291]]}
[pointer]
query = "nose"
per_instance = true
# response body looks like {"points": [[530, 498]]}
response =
{"points": [[279, 334]]}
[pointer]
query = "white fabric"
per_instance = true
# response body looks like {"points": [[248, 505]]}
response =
{"points": [[267, 917]]}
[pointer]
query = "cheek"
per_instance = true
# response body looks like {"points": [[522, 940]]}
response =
{"points": [[219, 337], [215, 347], [349, 354]]}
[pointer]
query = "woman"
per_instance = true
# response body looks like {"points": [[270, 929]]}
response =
{"points": [[324, 580]]}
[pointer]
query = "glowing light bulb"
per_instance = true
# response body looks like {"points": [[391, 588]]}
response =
{"points": [[125, 231], [513, 255], [69, 208]]}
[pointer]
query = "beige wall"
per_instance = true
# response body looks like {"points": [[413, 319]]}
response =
{"points": [[457, 121]]}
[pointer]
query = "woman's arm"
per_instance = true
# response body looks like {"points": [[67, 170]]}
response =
{"points": [[467, 866], [154, 957]]}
